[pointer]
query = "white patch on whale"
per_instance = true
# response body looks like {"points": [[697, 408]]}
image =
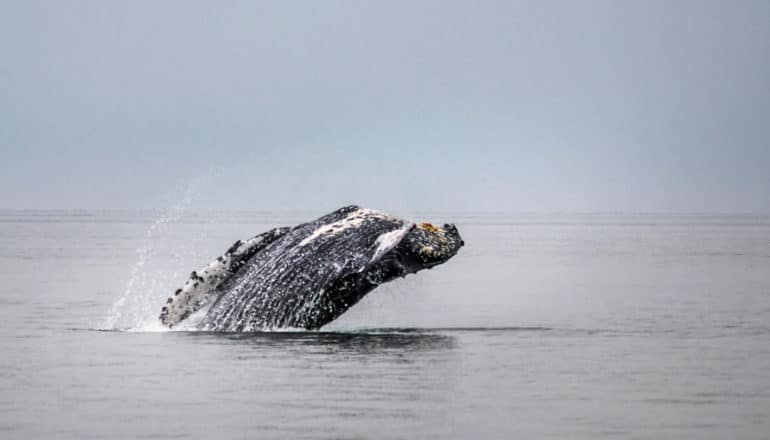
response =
{"points": [[352, 220], [389, 240]]}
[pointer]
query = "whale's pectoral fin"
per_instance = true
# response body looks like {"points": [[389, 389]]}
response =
{"points": [[201, 288]]}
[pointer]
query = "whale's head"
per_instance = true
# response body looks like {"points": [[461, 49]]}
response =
{"points": [[427, 245]]}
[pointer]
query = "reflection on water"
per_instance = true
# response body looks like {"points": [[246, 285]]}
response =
{"points": [[351, 342]]}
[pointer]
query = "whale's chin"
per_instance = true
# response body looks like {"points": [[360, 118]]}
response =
{"points": [[307, 275]]}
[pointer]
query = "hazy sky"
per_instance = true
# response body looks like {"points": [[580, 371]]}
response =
{"points": [[504, 106]]}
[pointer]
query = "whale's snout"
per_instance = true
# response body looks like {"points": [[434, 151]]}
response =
{"points": [[452, 230], [431, 245]]}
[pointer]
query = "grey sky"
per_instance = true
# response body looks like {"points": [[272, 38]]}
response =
{"points": [[506, 106]]}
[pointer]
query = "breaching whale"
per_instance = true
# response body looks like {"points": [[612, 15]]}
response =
{"points": [[308, 275]]}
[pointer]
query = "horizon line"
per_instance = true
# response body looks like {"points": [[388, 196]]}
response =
{"points": [[422, 211]]}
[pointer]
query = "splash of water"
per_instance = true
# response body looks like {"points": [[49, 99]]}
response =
{"points": [[135, 308]]}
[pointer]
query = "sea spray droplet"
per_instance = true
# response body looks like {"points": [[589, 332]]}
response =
{"points": [[135, 308]]}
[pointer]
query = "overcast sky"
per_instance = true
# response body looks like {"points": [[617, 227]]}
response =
{"points": [[494, 106]]}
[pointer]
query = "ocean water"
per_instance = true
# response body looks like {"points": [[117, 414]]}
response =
{"points": [[558, 326]]}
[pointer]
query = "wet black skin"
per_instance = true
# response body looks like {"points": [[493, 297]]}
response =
{"points": [[406, 258], [312, 273]]}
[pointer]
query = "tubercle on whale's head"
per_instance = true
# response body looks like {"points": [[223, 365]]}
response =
{"points": [[431, 244]]}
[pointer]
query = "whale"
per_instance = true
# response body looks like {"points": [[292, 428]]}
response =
{"points": [[306, 276]]}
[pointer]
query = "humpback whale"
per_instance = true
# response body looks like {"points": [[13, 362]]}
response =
{"points": [[308, 275]]}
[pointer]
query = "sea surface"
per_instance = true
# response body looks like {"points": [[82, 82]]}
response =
{"points": [[544, 326]]}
